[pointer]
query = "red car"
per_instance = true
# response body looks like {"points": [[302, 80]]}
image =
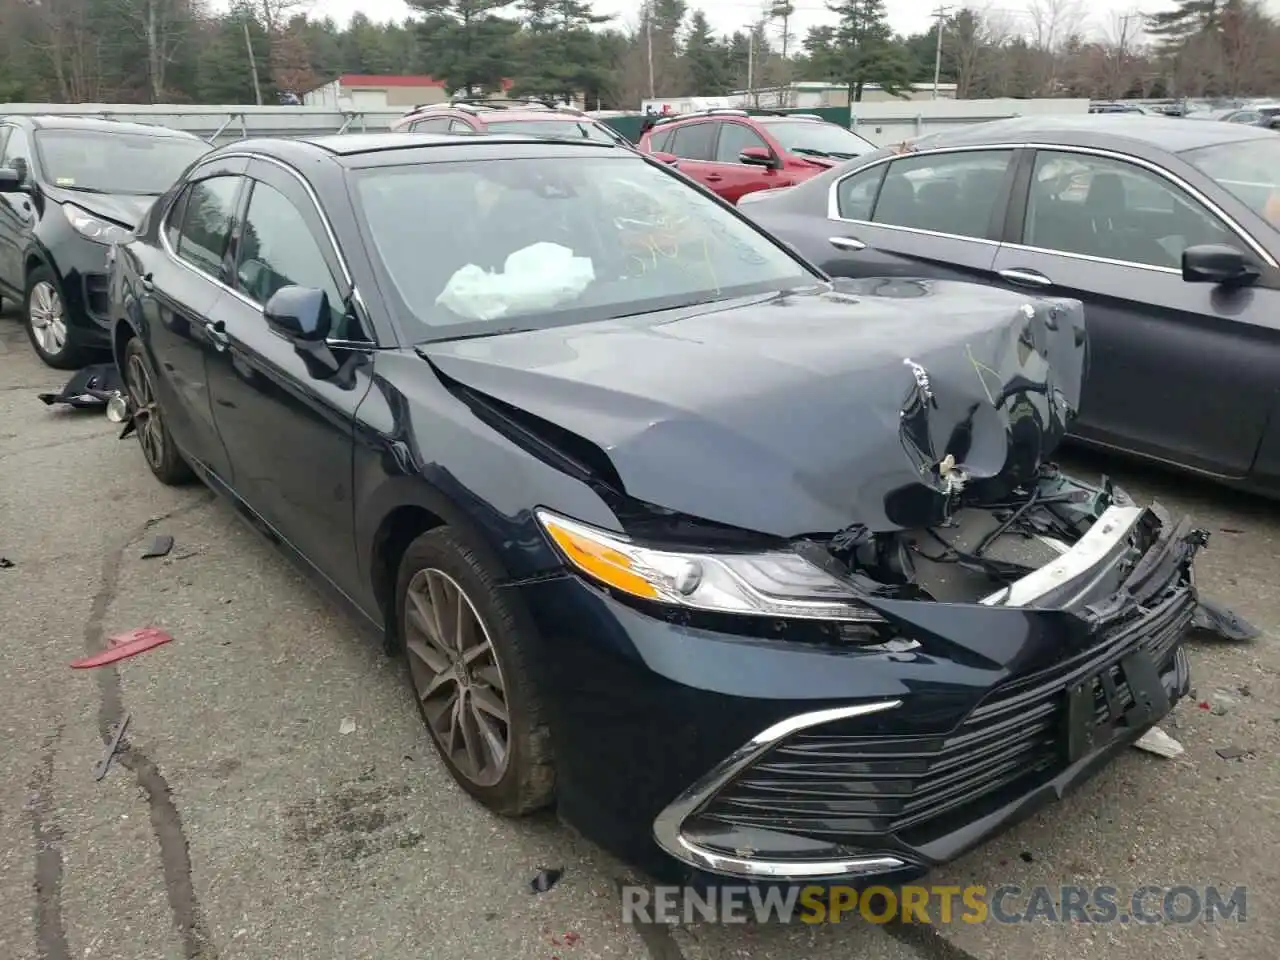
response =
{"points": [[733, 153], [527, 117]]}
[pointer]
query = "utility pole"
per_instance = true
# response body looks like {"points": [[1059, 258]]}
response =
{"points": [[648, 43], [253, 64], [939, 15]]}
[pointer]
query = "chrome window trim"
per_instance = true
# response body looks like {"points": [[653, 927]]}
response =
{"points": [[324, 220], [667, 826], [833, 207]]}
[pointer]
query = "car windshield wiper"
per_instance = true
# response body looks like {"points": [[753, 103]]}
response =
{"points": [[476, 336], [811, 152]]}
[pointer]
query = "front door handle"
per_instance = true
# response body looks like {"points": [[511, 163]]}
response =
{"points": [[1026, 278], [847, 243], [146, 283], [217, 330]]}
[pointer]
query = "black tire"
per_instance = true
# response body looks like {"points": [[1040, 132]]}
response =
{"points": [[69, 353], [158, 448], [528, 781]]}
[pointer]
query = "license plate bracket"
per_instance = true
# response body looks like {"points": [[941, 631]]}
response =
{"points": [[1085, 733]]}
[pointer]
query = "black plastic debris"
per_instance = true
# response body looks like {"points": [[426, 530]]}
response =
{"points": [[89, 388], [113, 748], [1234, 753], [1027, 856], [6, 563], [1214, 618], [545, 879], [160, 547]]}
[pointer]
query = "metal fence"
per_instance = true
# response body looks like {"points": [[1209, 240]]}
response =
{"points": [[223, 123]]}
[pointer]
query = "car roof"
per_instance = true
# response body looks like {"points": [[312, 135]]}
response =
{"points": [[1171, 134], [55, 122]]}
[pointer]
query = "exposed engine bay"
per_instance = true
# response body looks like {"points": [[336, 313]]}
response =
{"points": [[979, 549]]}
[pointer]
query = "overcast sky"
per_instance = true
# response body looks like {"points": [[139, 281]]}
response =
{"points": [[726, 16]]}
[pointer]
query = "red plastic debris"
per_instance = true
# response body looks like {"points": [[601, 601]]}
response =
{"points": [[122, 645], [571, 939], [1204, 705]]}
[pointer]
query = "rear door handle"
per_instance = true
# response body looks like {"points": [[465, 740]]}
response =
{"points": [[1026, 278], [847, 243]]}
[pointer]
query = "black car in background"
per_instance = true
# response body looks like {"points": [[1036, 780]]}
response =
{"points": [[748, 572], [1165, 230], [69, 188]]}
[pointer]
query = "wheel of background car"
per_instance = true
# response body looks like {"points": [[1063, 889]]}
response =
{"points": [[47, 323], [468, 667], [158, 448]]}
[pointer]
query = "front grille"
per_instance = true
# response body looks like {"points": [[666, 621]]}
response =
{"points": [[841, 788]]}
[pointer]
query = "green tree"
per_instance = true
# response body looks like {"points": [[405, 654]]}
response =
{"points": [[864, 49], [707, 60], [561, 56], [468, 45]]}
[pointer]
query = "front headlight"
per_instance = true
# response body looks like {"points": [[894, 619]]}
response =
{"points": [[774, 584], [95, 228]]}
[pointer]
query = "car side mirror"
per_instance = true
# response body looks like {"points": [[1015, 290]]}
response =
{"points": [[300, 314], [1218, 263], [670, 158], [757, 157], [11, 179]]}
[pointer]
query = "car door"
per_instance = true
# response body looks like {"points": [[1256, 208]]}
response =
{"points": [[1179, 371], [738, 178], [289, 433], [17, 215], [181, 280], [935, 214], [694, 144]]}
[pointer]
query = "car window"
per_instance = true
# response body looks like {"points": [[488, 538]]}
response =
{"points": [[693, 141], [953, 193], [537, 242], [278, 249], [111, 161], [460, 126], [734, 138], [206, 223], [1247, 169], [817, 138], [173, 222], [570, 128], [658, 141], [4, 135], [856, 193], [1102, 207], [434, 125], [16, 147]]}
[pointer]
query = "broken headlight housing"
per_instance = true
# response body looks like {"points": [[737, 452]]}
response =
{"points": [[776, 583]]}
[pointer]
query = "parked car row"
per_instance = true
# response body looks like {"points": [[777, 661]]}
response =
{"points": [[625, 472]]}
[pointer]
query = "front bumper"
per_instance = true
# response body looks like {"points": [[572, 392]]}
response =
{"points": [[812, 763]]}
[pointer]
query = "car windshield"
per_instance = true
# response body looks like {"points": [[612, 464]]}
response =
{"points": [[481, 247], [98, 161], [817, 138], [1247, 169], [551, 128]]}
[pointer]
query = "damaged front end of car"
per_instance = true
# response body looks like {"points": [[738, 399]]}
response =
{"points": [[1004, 628]]}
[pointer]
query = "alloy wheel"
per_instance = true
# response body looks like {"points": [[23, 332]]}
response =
{"points": [[146, 412], [45, 313], [457, 677]]}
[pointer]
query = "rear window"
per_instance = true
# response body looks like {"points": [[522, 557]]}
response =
{"points": [[560, 127]]}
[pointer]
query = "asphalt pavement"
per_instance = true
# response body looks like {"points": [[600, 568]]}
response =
{"points": [[243, 822]]}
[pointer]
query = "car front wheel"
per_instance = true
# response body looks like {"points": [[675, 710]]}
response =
{"points": [[157, 445], [470, 677], [52, 336]]}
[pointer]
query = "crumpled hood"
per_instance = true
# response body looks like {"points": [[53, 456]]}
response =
{"points": [[122, 208], [806, 413]]}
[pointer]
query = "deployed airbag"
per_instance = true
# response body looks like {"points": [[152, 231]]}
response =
{"points": [[538, 277]]}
